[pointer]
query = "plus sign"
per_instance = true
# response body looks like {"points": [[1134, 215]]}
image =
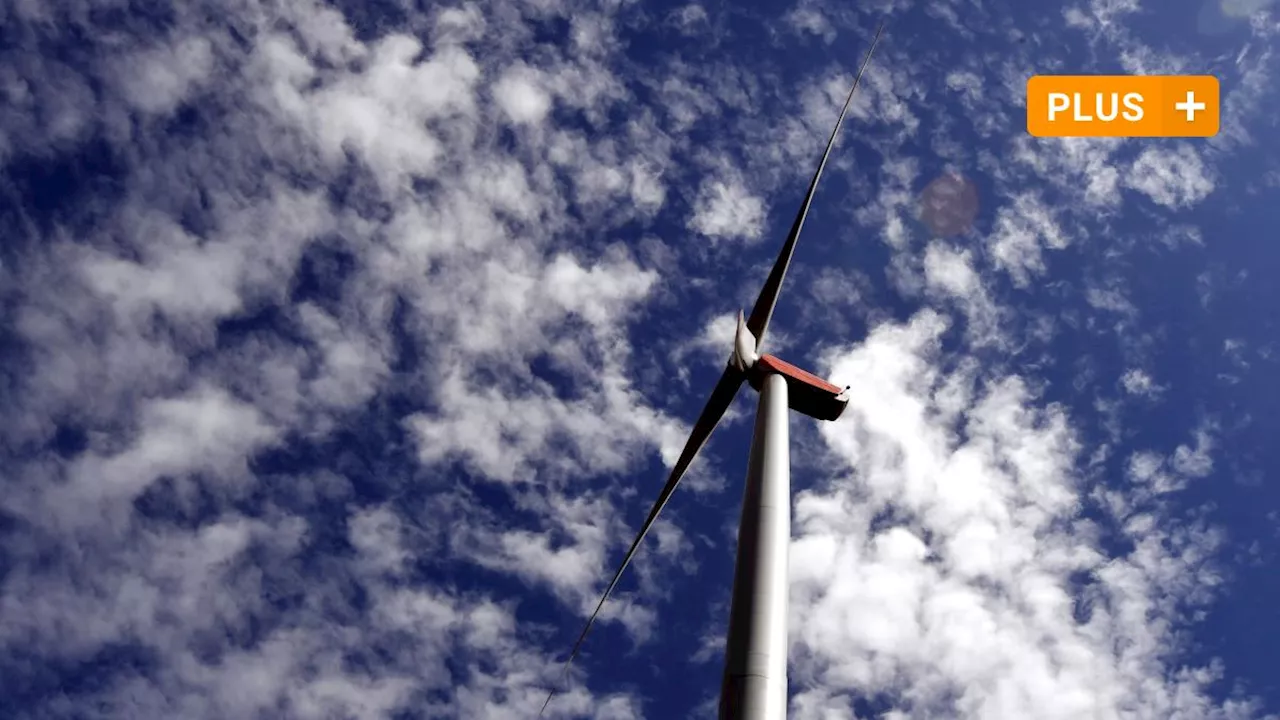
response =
{"points": [[1190, 106]]}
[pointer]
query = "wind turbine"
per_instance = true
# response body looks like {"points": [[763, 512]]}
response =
{"points": [[755, 673]]}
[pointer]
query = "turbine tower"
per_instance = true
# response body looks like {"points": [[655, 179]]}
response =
{"points": [[755, 672]]}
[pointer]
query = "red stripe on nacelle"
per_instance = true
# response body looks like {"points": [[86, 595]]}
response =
{"points": [[782, 367]]}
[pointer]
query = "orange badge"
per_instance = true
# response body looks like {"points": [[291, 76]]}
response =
{"points": [[1122, 106]]}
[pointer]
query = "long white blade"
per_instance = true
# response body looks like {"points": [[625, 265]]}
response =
{"points": [[721, 397], [758, 323]]}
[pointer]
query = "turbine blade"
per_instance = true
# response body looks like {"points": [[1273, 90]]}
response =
{"points": [[763, 309], [721, 397]]}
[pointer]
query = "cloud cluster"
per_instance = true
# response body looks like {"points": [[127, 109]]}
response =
{"points": [[955, 569], [307, 229]]}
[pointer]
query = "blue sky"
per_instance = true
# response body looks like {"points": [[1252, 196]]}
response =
{"points": [[344, 347]]}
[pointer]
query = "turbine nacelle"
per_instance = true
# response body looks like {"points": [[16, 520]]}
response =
{"points": [[745, 351], [808, 394]]}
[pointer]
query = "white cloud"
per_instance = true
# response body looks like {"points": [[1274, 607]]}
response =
{"points": [[1112, 299], [717, 335], [1172, 178], [459, 24], [1101, 14], [370, 111], [647, 190], [968, 85], [1083, 168], [690, 18], [810, 20], [1137, 382], [1022, 230], [685, 104], [158, 81], [884, 96], [1243, 8], [950, 270], [725, 208], [950, 273], [520, 95], [378, 535], [894, 197], [1196, 462], [963, 604]]}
